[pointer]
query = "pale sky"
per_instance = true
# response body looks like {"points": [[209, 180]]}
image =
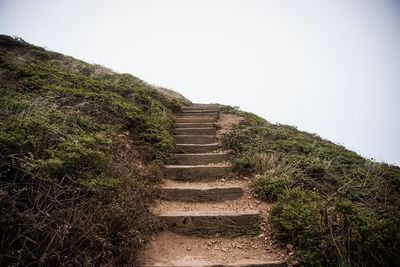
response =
{"points": [[327, 67]]}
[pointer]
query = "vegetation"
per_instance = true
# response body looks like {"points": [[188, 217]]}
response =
{"points": [[73, 189], [80, 150], [336, 207]]}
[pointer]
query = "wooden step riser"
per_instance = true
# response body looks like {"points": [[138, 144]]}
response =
{"points": [[194, 125], [195, 131], [197, 173], [210, 223], [196, 148], [202, 195], [195, 139], [198, 111], [194, 120], [212, 108], [199, 159], [197, 115]]}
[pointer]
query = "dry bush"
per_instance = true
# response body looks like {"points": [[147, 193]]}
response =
{"points": [[49, 223]]}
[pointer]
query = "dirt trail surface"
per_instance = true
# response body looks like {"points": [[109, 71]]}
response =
{"points": [[190, 207]]}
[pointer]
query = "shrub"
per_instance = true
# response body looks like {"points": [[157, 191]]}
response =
{"points": [[269, 186]]}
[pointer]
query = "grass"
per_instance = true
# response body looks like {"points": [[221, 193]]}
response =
{"points": [[336, 207], [72, 136]]}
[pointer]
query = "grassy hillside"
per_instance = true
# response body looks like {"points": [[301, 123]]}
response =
{"points": [[335, 207], [79, 150], [80, 155]]}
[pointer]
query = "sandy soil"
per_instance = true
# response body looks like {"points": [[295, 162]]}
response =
{"points": [[226, 122], [171, 249]]}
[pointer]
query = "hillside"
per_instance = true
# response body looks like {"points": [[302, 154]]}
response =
{"points": [[80, 148], [83, 151], [336, 207]]}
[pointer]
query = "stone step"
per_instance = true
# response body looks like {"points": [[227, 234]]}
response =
{"points": [[196, 172], [210, 221], [191, 119], [200, 158], [195, 139], [195, 131], [200, 192], [168, 249], [196, 148], [194, 125]]}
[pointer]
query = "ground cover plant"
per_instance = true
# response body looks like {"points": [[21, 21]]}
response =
{"points": [[336, 207], [80, 147]]}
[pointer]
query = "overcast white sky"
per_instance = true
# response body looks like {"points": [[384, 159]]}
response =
{"points": [[328, 67]]}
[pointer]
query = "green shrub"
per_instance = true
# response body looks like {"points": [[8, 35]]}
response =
{"points": [[298, 217], [269, 186]]}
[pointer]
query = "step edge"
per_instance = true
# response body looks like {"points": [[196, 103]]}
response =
{"points": [[208, 144], [189, 187], [172, 166], [272, 263], [200, 154], [233, 213]]}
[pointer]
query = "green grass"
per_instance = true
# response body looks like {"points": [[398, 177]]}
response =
{"points": [[336, 207], [67, 195]]}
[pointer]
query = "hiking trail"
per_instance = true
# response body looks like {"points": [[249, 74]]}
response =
{"points": [[211, 217]]}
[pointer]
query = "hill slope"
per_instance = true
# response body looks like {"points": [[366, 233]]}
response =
{"points": [[82, 149], [74, 140], [336, 207]]}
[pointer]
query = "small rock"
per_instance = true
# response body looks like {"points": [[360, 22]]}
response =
{"points": [[188, 248], [217, 235], [295, 263], [257, 202], [247, 257], [222, 180], [261, 235], [238, 246], [291, 253], [223, 249], [289, 247]]}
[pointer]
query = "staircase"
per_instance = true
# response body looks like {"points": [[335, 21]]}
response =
{"points": [[211, 220]]}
